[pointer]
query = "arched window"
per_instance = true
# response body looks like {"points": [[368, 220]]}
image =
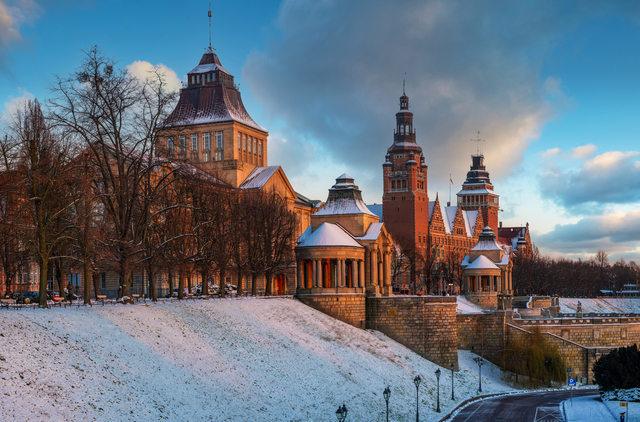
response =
{"points": [[407, 128], [404, 184], [393, 184], [402, 129]]}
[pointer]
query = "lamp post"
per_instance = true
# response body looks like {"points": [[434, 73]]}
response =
{"points": [[416, 381], [438, 383], [341, 413], [480, 362], [453, 397], [387, 394]]}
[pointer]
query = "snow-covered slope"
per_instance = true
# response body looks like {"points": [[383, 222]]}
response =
{"points": [[222, 360], [621, 305]]}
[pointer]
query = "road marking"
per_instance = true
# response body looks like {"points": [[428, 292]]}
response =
{"points": [[548, 414], [481, 404]]}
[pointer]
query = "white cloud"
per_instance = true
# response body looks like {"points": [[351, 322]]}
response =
{"points": [[15, 103], [142, 70], [12, 15]]}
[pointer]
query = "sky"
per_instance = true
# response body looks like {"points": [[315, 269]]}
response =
{"points": [[551, 86]]}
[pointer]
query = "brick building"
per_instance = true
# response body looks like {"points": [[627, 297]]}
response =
{"points": [[435, 238]]}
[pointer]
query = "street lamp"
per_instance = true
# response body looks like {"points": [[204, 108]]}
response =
{"points": [[341, 413], [438, 383], [416, 381], [480, 362], [453, 397], [387, 394]]}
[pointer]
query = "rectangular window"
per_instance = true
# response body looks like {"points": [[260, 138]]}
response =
{"points": [[255, 150], [244, 142], [239, 141], [219, 145], [170, 145], [260, 148], [183, 143], [206, 141], [249, 144], [194, 142], [103, 280]]}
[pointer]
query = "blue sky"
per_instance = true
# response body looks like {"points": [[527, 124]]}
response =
{"points": [[553, 88]]}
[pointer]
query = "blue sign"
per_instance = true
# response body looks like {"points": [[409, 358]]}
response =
{"points": [[569, 370], [572, 381]]}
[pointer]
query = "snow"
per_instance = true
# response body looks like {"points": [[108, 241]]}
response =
{"points": [[482, 263], [344, 206], [587, 408], [209, 67], [224, 360], [474, 191], [259, 177], [467, 307], [329, 234], [601, 306], [373, 231]]}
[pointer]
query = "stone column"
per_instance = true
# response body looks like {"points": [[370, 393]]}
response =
{"points": [[314, 273], [299, 274], [360, 273], [320, 279], [374, 267], [343, 276], [354, 273]]}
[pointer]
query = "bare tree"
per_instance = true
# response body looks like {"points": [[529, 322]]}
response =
{"points": [[117, 117]]}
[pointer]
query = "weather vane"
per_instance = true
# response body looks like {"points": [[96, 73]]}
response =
{"points": [[477, 141], [210, 47]]}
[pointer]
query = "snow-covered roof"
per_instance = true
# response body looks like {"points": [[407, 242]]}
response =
{"points": [[209, 67], [432, 206], [344, 198], [328, 235], [482, 263], [487, 241], [474, 191], [376, 209], [470, 218], [259, 177], [373, 231], [449, 216]]}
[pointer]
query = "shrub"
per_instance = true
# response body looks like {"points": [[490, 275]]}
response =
{"points": [[620, 369]]}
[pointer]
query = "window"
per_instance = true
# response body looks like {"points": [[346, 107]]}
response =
{"points": [[194, 147], [219, 145], [244, 142], [206, 141], [249, 144], [239, 136], [182, 139], [254, 146], [102, 278], [170, 145], [260, 148]]}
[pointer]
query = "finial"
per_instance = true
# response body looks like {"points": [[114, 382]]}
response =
{"points": [[405, 74], [210, 47], [477, 141]]}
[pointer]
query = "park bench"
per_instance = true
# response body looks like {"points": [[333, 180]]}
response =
{"points": [[136, 298], [101, 298], [4, 303]]}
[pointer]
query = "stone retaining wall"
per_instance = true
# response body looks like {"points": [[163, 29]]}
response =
{"points": [[426, 325], [348, 308]]}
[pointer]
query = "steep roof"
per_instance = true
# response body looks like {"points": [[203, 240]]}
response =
{"points": [[327, 235], [487, 241], [482, 263], [259, 177], [344, 198]]}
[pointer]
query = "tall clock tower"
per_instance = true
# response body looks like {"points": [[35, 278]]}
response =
{"points": [[405, 201]]}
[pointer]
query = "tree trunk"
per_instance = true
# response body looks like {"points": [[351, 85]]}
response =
{"points": [[170, 275], [181, 285], [96, 290], [153, 294], [239, 284], [253, 284], [267, 284], [223, 283], [205, 282], [126, 282], [43, 283], [87, 286]]}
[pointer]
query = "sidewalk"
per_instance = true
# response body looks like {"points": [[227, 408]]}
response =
{"points": [[591, 409]]}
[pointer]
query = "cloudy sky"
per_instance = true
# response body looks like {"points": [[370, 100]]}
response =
{"points": [[552, 86]]}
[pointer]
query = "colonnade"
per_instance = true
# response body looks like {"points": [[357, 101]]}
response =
{"points": [[489, 283]]}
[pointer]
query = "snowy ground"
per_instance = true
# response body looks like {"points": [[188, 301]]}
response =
{"points": [[467, 307], [623, 306], [593, 410], [222, 360]]}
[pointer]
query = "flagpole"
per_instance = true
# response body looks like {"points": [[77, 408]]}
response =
{"points": [[450, 183]]}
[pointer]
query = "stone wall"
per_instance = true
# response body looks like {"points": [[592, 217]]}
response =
{"points": [[348, 308], [485, 299], [484, 334], [424, 324]]}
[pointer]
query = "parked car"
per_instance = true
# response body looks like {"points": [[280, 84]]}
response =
{"points": [[29, 297], [175, 292]]}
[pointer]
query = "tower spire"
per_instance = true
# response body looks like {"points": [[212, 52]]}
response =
{"points": [[210, 46], [405, 77]]}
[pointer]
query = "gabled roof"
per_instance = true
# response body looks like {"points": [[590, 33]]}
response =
{"points": [[373, 231], [327, 235], [259, 177]]}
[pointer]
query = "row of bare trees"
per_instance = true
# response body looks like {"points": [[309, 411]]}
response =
{"points": [[81, 184], [543, 275]]}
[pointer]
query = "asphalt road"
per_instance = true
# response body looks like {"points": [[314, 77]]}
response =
{"points": [[531, 407]]}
